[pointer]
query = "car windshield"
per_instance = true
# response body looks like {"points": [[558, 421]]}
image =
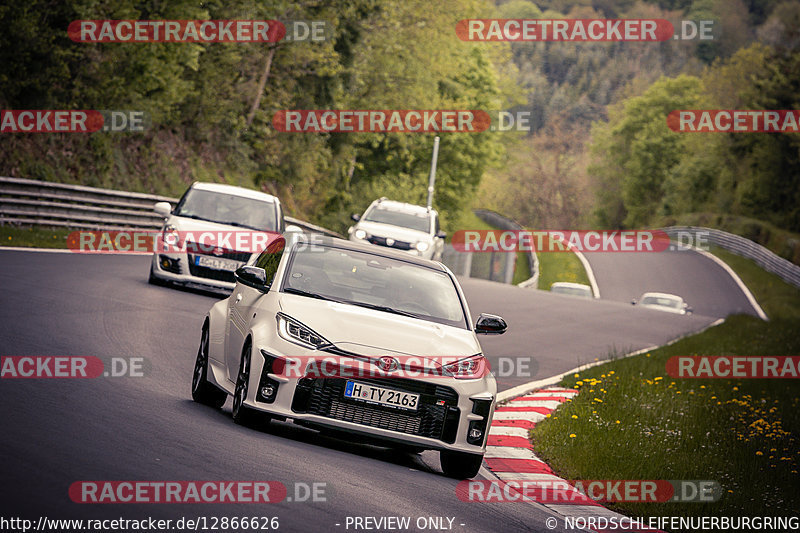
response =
{"points": [[228, 209], [404, 219], [663, 302], [376, 282]]}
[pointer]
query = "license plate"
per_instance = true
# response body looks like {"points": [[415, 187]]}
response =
{"points": [[381, 396], [217, 263]]}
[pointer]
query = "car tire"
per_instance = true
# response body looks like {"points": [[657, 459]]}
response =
{"points": [[242, 414], [203, 391], [460, 465]]}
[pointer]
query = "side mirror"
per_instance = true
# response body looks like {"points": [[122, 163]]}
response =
{"points": [[490, 325], [163, 209], [689, 310], [355, 218], [441, 234], [293, 229], [252, 276]]}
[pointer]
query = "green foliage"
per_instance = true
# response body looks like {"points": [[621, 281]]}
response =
{"points": [[211, 112]]}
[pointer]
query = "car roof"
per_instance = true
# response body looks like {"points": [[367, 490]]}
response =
{"points": [[401, 206], [234, 190], [661, 295], [372, 249]]}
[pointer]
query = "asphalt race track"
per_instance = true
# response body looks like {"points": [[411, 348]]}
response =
{"points": [[701, 282], [56, 432]]}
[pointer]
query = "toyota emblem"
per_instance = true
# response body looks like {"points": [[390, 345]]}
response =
{"points": [[387, 364], [218, 251]]}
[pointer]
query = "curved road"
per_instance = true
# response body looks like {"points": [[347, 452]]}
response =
{"points": [[56, 432], [700, 281]]}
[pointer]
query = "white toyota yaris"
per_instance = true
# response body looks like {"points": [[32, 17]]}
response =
{"points": [[369, 342]]}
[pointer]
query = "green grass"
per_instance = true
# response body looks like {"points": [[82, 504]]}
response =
{"points": [[776, 297], [560, 266], [632, 421], [33, 236]]}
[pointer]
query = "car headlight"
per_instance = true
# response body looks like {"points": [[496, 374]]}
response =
{"points": [[293, 331], [472, 367], [422, 246], [360, 234], [170, 235]]}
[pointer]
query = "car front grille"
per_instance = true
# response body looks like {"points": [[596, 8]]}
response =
{"points": [[381, 241], [437, 416]]}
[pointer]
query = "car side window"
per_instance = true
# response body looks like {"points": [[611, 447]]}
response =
{"points": [[271, 258]]}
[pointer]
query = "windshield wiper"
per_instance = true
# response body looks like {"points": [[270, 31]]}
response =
{"points": [[384, 308], [240, 225], [301, 292], [196, 217]]}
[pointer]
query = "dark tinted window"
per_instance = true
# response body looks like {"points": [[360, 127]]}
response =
{"points": [[271, 258]]}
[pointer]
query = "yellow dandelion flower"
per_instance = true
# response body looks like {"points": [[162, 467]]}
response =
{"points": [[759, 453], [617, 422], [575, 416], [572, 435]]}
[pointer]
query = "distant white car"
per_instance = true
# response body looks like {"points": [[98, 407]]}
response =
{"points": [[353, 309], [213, 209], [411, 228], [572, 289], [663, 302]]}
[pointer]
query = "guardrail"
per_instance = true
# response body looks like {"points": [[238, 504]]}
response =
{"points": [[499, 221], [742, 246], [24, 201]]}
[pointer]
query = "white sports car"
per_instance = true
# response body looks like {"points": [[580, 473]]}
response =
{"points": [[366, 341], [661, 301]]}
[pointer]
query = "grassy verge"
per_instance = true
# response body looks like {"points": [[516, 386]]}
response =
{"points": [[560, 266], [776, 297], [632, 421], [33, 237]]}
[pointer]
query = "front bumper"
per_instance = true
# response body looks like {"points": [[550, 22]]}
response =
{"points": [[453, 414], [180, 268]]}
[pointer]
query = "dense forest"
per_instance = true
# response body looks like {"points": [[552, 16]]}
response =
{"points": [[599, 152]]}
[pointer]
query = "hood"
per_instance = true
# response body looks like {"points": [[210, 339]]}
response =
{"points": [[369, 332], [222, 235], [395, 232]]}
